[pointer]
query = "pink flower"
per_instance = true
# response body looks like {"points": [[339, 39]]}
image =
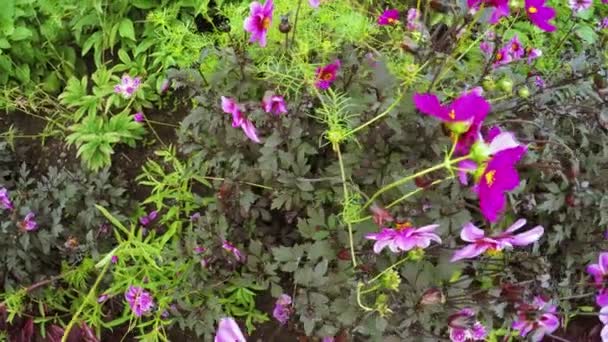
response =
{"points": [[238, 255], [540, 14], [259, 20], [5, 200], [28, 223], [603, 317], [102, 298], [314, 3], [599, 271], [148, 218], [326, 75], [539, 82], [516, 50], [480, 244], [463, 327], [501, 8], [139, 300], [229, 331], [532, 54], [328, 339], [404, 238], [412, 19], [114, 259], [138, 117], [603, 24], [537, 318], [273, 103], [230, 106], [458, 115], [282, 309], [579, 5], [388, 17], [380, 215], [486, 47], [503, 56], [128, 86]]}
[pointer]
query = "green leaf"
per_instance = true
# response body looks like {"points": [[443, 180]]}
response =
{"points": [[21, 33], [126, 29], [586, 33]]}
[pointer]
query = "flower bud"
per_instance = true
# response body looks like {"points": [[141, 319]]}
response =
{"points": [[432, 296], [506, 85], [480, 152], [416, 254], [391, 280], [381, 305], [284, 26], [488, 84], [523, 92], [515, 4]]}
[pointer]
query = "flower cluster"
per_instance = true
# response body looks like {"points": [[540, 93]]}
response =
{"points": [[282, 309], [536, 319], [229, 331], [140, 301], [128, 86], [271, 103], [537, 11], [238, 255], [514, 51], [391, 17]]}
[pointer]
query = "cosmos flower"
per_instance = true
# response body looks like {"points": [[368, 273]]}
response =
{"points": [[501, 8], [140, 300], [282, 309], [599, 271], [404, 238], [464, 327], [274, 103], [458, 115], [259, 20], [230, 106], [539, 14], [503, 56], [603, 317], [138, 117], [326, 75], [128, 86], [238, 255], [229, 331], [413, 16], [388, 17], [537, 318], [516, 50], [114, 259], [480, 244], [579, 5], [102, 298], [29, 223], [5, 201]]}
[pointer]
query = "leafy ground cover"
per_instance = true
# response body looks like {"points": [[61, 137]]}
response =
{"points": [[284, 170]]}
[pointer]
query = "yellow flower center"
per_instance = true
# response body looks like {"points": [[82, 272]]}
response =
{"points": [[532, 9], [490, 177], [499, 56], [514, 46], [493, 252], [391, 20], [266, 23], [452, 114], [403, 225]]}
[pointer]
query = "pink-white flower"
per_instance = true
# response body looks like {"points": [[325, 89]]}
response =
{"points": [[230, 106], [480, 244], [538, 318], [404, 238], [259, 20], [464, 327], [139, 300], [229, 331], [5, 200], [603, 317], [274, 103], [128, 86], [238, 255], [413, 22]]}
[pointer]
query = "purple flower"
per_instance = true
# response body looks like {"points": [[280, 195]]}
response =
{"points": [[458, 115], [238, 255], [599, 271], [388, 17], [537, 318], [412, 19], [603, 24], [273, 103], [102, 298], [532, 54], [498, 177], [501, 8], [603, 317], [128, 86], [516, 50], [282, 309], [601, 299], [480, 244], [28, 223], [259, 20], [539, 82], [540, 14], [314, 3], [404, 238], [579, 5], [140, 300], [503, 56], [5, 201], [326, 75], [114, 259], [228, 331], [464, 327], [147, 219], [486, 47], [199, 249], [194, 217], [230, 106], [138, 117]]}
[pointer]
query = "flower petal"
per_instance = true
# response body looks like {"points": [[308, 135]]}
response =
{"points": [[469, 252], [516, 226], [503, 141], [429, 104], [528, 237], [470, 233], [603, 262], [229, 331]]}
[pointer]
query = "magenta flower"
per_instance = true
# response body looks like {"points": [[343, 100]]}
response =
{"points": [[599, 271], [537, 318], [501, 8], [114, 259], [28, 223], [404, 238], [229, 331], [230, 106], [238, 255], [458, 115], [463, 327], [503, 56], [326, 75], [274, 104], [388, 17], [532, 54], [412, 19], [140, 300], [128, 86], [480, 244], [516, 50], [259, 20], [282, 309], [138, 117], [540, 14], [579, 5], [5, 201], [148, 218]]}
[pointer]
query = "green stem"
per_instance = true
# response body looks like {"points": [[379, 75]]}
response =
{"points": [[366, 308], [377, 117], [389, 268], [345, 189]]}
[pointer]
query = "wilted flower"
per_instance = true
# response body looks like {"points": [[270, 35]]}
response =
{"points": [[259, 20], [432, 296], [5, 201], [274, 103], [458, 115], [404, 238], [537, 318], [579, 5], [480, 244], [238, 255], [326, 75], [412, 19], [388, 17], [228, 331], [380, 215], [230, 106], [138, 117], [28, 223], [148, 218], [140, 300], [282, 309], [501, 8], [464, 327], [195, 217], [128, 86], [540, 14]]}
